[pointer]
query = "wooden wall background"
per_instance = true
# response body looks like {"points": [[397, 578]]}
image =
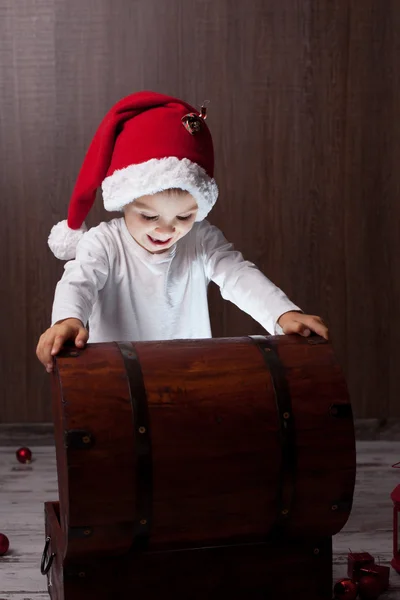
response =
{"points": [[305, 116]]}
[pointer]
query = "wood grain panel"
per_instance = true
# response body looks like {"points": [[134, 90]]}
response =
{"points": [[27, 87], [372, 207]]}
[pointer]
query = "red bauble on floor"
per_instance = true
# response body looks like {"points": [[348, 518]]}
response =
{"points": [[345, 589], [24, 455]]}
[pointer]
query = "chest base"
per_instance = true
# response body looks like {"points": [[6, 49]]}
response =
{"points": [[281, 568]]}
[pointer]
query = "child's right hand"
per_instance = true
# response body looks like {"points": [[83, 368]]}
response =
{"points": [[52, 340]]}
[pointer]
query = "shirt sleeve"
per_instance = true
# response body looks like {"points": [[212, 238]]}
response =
{"points": [[83, 278], [241, 282]]}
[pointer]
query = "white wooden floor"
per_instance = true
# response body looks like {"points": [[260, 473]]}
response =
{"points": [[24, 489]]}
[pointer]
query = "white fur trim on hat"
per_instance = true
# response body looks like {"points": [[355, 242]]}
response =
{"points": [[63, 240], [156, 175]]}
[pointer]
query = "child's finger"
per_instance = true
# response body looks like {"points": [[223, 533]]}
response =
{"points": [[81, 338], [44, 351], [323, 331], [293, 327], [320, 329], [57, 344], [300, 328], [305, 331]]}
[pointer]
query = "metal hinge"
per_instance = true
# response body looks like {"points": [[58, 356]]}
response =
{"points": [[78, 439]]}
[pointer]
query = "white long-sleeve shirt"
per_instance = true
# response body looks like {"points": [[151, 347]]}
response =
{"points": [[126, 293]]}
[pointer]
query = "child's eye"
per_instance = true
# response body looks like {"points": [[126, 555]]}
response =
{"points": [[183, 218], [147, 218]]}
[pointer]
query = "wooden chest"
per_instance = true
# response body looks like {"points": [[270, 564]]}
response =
{"points": [[194, 469]]}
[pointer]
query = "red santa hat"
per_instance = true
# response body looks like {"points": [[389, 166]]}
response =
{"points": [[146, 143]]}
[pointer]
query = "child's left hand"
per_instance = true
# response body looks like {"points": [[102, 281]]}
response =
{"points": [[296, 322]]}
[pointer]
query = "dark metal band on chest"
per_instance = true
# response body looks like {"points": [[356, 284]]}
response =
{"points": [[287, 480], [142, 440]]}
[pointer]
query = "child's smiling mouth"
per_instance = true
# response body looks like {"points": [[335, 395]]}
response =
{"points": [[159, 242]]}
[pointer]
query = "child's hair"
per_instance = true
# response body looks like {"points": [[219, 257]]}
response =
{"points": [[167, 192], [177, 191]]}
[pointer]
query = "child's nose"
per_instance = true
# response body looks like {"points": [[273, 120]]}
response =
{"points": [[165, 228]]}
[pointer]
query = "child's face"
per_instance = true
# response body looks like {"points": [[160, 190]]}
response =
{"points": [[156, 222]]}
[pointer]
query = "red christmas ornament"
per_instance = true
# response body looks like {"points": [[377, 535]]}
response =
{"points": [[4, 544], [24, 455], [345, 589], [369, 587]]}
